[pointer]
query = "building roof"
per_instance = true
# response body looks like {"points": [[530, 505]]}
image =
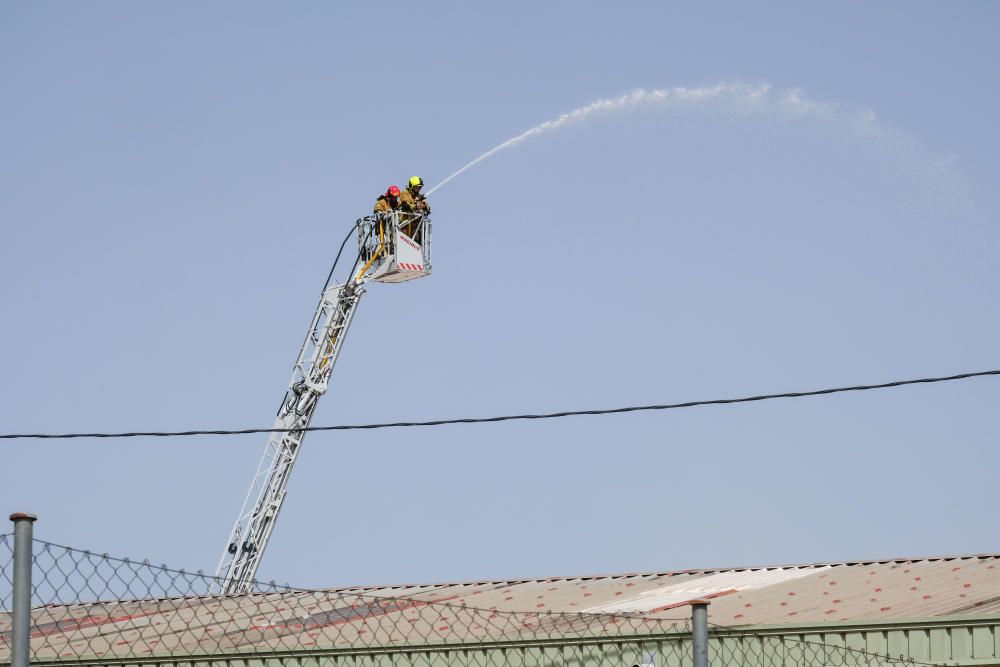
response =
{"points": [[863, 592], [900, 588]]}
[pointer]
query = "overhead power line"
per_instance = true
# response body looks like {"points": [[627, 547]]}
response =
{"points": [[506, 418]]}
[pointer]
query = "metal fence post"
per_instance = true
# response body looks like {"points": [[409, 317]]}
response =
{"points": [[21, 609], [699, 630]]}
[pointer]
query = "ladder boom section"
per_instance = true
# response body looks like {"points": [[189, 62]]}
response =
{"points": [[310, 377]]}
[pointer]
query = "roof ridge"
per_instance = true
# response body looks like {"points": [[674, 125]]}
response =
{"points": [[704, 571]]}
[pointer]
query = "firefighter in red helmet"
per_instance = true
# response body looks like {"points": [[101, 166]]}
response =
{"points": [[388, 202], [385, 206]]}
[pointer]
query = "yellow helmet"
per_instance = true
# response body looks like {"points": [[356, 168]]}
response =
{"points": [[416, 182]]}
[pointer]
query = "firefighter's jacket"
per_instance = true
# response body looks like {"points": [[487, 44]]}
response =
{"points": [[412, 205], [383, 205], [412, 202]]}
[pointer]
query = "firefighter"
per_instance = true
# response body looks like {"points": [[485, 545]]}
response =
{"points": [[413, 205], [385, 205], [388, 202]]}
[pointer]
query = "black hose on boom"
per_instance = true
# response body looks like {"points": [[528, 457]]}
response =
{"points": [[333, 268], [329, 276]]}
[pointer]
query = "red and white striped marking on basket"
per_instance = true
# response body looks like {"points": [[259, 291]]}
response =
{"points": [[411, 267]]}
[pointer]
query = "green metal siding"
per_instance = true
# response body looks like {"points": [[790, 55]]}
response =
{"points": [[957, 641]]}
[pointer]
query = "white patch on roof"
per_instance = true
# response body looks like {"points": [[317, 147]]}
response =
{"points": [[710, 585]]}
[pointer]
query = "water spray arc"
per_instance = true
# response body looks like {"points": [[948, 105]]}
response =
{"points": [[741, 98]]}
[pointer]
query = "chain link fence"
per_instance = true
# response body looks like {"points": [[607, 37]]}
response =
{"points": [[6, 570], [739, 646], [90, 608]]}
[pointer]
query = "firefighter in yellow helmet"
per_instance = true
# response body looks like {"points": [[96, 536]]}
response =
{"points": [[413, 207]]}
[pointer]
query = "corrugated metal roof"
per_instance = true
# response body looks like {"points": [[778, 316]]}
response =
{"points": [[378, 616], [712, 585], [840, 591]]}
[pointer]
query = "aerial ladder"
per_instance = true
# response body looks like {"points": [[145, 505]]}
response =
{"points": [[392, 248]]}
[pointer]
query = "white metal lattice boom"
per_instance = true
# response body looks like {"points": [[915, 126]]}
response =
{"points": [[386, 254]]}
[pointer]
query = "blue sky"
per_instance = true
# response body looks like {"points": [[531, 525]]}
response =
{"points": [[176, 178]]}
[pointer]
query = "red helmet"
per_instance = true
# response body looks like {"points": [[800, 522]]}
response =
{"points": [[393, 191]]}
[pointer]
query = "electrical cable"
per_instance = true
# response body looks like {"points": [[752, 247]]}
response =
{"points": [[504, 418]]}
